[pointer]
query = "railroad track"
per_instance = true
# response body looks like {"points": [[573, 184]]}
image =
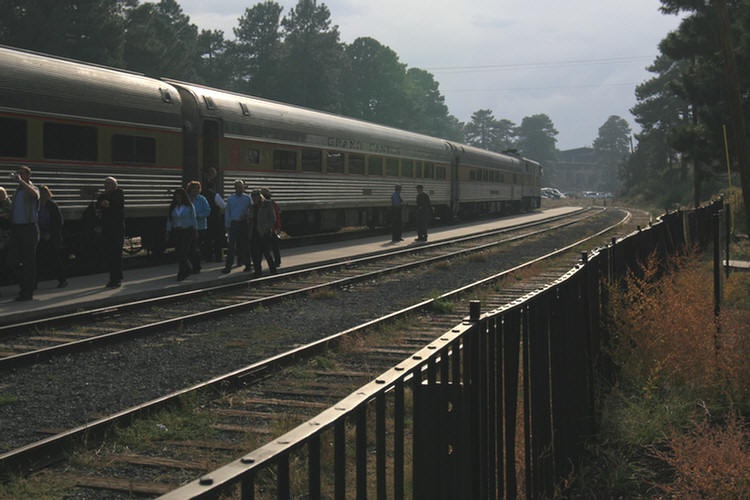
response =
{"points": [[40, 339], [268, 401]]}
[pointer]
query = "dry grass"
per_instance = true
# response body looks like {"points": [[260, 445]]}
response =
{"points": [[709, 461], [667, 336], [681, 387]]}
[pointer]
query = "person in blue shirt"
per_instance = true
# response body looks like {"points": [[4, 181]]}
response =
{"points": [[24, 233], [202, 211], [181, 222], [236, 215]]}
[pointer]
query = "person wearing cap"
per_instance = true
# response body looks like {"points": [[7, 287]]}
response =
{"points": [[276, 228], [424, 213]]}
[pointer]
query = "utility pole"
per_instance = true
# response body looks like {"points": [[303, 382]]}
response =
{"points": [[735, 101]]}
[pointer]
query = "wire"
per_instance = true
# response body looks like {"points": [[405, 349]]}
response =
{"points": [[539, 65], [545, 88]]}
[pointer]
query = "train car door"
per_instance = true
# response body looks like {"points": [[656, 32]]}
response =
{"points": [[211, 164], [455, 185]]}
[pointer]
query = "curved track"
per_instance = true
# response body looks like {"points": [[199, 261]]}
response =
{"points": [[84, 329], [272, 401]]}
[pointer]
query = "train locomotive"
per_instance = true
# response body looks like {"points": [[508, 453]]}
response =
{"points": [[76, 123]]}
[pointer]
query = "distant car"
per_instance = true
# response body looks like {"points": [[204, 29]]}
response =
{"points": [[551, 193]]}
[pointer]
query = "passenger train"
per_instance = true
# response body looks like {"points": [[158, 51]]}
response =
{"points": [[76, 123]]}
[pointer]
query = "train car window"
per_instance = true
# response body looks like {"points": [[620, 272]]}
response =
{"points": [[356, 164], [312, 160], [13, 137], [133, 149], [165, 95], [515, 179], [391, 167], [253, 156], [334, 162], [472, 175], [418, 169], [70, 142], [429, 170], [485, 175], [284, 160], [502, 177], [407, 168], [209, 102], [374, 165], [439, 172]]}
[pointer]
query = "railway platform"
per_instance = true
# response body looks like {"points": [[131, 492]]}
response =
{"points": [[139, 284]]}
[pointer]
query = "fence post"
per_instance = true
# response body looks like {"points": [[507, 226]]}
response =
{"points": [[728, 232], [717, 263]]}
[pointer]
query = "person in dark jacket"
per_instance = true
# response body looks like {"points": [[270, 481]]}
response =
{"points": [[263, 221], [50, 249], [111, 204], [275, 237], [396, 202], [424, 213]]}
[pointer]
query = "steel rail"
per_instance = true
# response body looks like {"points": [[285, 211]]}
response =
{"points": [[46, 451], [98, 312], [39, 355]]}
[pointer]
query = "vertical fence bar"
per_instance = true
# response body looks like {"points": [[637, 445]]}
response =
{"points": [[526, 401], [559, 388], [313, 467], [511, 367], [362, 452], [587, 313], [492, 404], [380, 451], [247, 488], [339, 459], [283, 490], [456, 362], [398, 440], [481, 397], [472, 383], [416, 459], [541, 433]]}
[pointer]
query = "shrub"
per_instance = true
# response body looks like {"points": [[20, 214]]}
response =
{"points": [[666, 336], [710, 461]]}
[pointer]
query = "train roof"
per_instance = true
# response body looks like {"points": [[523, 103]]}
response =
{"points": [[54, 86], [260, 119]]}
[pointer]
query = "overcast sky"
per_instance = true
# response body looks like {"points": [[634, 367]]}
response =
{"points": [[578, 61]]}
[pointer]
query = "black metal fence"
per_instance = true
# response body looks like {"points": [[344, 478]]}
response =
{"points": [[498, 407]]}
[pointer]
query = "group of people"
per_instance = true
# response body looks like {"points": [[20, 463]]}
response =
{"points": [[31, 229], [31, 232], [424, 213], [251, 221]]}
